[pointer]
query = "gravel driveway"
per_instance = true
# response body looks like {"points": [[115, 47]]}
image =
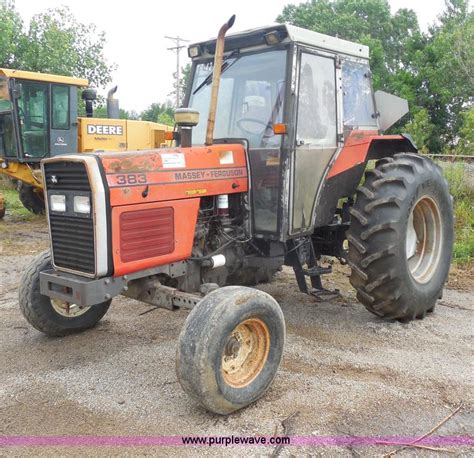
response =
{"points": [[345, 372]]}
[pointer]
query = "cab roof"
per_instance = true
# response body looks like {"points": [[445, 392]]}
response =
{"points": [[45, 77], [287, 33]]}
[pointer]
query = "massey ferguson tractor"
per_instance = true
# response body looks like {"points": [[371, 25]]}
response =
{"points": [[279, 160]]}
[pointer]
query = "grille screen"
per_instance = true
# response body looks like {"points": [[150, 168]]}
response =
{"points": [[146, 233], [72, 235]]}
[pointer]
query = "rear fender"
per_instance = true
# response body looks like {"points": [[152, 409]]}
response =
{"points": [[348, 167]]}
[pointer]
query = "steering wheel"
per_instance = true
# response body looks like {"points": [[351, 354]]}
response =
{"points": [[254, 120]]}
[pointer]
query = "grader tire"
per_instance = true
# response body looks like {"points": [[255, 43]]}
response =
{"points": [[31, 198], [51, 317], [401, 237], [2, 206], [230, 348]]}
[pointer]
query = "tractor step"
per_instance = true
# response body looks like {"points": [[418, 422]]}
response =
{"points": [[323, 295], [316, 271]]}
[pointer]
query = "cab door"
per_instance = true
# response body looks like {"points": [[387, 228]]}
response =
{"points": [[32, 107], [63, 133], [316, 136]]}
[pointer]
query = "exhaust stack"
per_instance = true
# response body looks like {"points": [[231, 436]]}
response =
{"points": [[113, 111], [216, 78]]}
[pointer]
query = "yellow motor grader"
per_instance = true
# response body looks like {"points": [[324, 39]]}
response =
{"points": [[38, 119]]}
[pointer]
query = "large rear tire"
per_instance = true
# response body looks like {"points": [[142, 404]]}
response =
{"points": [[32, 198], [230, 348], [401, 237], [50, 316]]}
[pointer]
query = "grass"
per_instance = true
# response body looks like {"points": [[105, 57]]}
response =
{"points": [[463, 195], [14, 206]]}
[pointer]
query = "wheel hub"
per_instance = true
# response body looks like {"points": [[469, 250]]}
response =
{"points": [[424, 239], [67, 309], [245, 353]]}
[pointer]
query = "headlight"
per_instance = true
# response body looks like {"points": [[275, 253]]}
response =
{"points": [[57, 203], [194, 51], [82, 204]]}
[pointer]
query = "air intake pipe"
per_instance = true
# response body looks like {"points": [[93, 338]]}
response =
{"points": [[216, 78], [89, 95]]}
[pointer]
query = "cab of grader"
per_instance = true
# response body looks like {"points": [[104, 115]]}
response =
{"points": [[279, 128], [39, 119]]}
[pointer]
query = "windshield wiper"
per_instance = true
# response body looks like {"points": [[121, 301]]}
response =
{"points": [[225, 66]]}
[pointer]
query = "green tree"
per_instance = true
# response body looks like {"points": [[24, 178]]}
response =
{"points": [[183, 83], [11, 26], [101, 112], [446, 69], [433, 71], [157, 111], [466, 134], [53, 42], [421, 129]]}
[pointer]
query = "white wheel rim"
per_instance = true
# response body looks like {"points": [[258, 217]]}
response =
{"points": [[68, 310], [424, 239]]}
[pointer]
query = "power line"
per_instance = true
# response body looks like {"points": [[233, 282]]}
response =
{"points": [[177, 48]]}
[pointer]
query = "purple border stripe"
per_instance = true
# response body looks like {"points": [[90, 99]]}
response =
{"points": [[173, 441]]}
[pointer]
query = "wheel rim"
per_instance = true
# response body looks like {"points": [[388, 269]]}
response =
{"points": [[67, 309], [245, 352], [424, 239]]}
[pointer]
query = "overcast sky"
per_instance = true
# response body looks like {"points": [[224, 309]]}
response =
{"points": [[135, 33]]}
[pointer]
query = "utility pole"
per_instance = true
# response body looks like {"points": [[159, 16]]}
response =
{"points": [[178, 46]]}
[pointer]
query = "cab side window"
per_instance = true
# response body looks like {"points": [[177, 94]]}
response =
{"points": [[358, 104], [60, 107]]}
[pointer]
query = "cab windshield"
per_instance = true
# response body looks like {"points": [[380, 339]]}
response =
{"points": [[250, 98]]}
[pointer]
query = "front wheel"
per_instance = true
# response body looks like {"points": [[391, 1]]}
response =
{"points": [[32, 198], [401, 237], [51, 316], [230, 348]]}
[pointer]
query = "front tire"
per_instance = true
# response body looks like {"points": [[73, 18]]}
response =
{"points": [[230, 348], [50, 316], [32, 198], [401, 237]]}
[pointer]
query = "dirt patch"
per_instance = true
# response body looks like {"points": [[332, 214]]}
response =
{"points": [[461, 277], [345, 371]]}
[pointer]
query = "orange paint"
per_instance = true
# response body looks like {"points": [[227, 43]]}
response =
{"points": [[173, 180], [356, 148], [169, 174], [184, 214]]}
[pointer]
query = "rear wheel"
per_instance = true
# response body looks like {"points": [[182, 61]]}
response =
{"points": [[52, 316], [230, 348], [32, 198], [401, 237]]}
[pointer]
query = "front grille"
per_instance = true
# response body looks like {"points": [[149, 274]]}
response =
{"points": [[72, 235]]}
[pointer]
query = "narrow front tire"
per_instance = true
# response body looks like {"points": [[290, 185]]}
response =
{"points": [[230, 348], [50, 316]]}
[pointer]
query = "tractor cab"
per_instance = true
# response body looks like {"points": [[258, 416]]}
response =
{"points": [[38, 115], [295, 97]]}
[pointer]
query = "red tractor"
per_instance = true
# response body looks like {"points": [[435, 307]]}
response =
{"points": [[274, 177]]}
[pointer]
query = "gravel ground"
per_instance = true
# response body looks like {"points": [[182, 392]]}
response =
{"points": [[345, 372]]}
